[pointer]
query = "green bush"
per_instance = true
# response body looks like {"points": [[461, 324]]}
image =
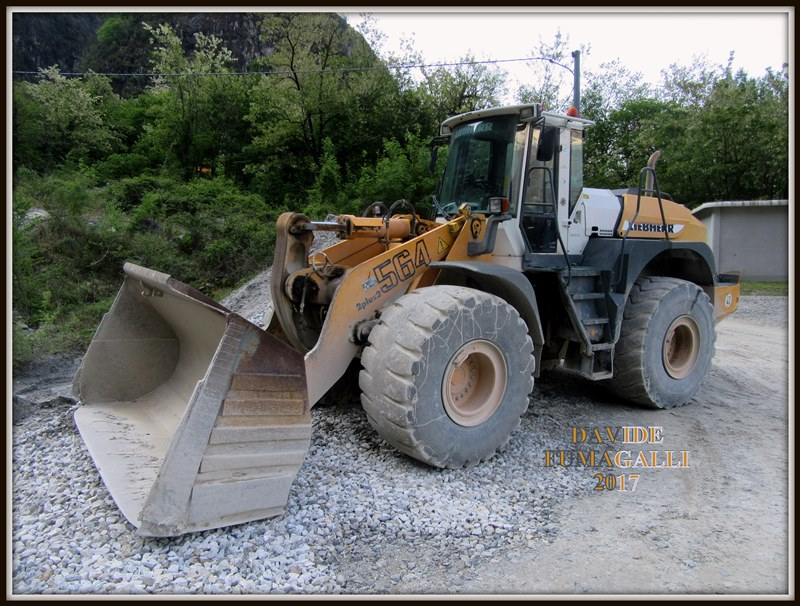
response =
{"points": [[111, 29], [72, 331], [22, 347], [205, 232], [155, 251], [52, 255], [128, 193], [121, 166], [400, 173]]}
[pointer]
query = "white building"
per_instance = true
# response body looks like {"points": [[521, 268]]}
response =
{"points": [[750, 237]]}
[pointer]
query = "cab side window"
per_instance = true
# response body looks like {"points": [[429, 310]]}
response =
{"points": [[575, 167]]}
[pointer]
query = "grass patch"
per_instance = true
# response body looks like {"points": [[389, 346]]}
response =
{"points": [[71, 332], [765, 289]]}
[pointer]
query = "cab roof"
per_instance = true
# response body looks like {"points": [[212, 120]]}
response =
{"points": [[534, 110]]}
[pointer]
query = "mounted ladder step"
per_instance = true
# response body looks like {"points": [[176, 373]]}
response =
{"points": [[584, 292], [582, 271], [586, 296], [594, 321]]}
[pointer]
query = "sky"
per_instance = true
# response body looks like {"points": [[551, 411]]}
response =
{"points": [[644, 41]]}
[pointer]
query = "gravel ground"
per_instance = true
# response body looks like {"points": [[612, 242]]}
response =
{"points": [[353, 495], [361, 518], [763, 311]]}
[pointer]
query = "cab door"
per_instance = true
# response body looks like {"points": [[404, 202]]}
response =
{"points": [[539, 211]]}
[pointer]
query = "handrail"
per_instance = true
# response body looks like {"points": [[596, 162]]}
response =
{"points": [[651, 171]]}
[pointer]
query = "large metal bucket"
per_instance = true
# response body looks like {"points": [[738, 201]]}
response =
{"points": [[195, 417]]}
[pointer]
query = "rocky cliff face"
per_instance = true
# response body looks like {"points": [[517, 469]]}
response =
{"points": [[45, 39], [117, 42], [239, 31]]}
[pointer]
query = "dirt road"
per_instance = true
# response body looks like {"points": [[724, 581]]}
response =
{"points": [[718, 526]]}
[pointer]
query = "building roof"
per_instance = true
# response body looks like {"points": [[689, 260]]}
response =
{"points": [[750, 203], [738, 203]]}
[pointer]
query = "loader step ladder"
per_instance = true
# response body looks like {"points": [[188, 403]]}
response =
{"points": [[585, 291]]}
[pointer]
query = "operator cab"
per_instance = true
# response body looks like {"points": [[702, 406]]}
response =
{"points": [[480, 165], [517, 160]]}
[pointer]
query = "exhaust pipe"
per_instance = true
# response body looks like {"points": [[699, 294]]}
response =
{"points": [[649, 180], [195, 417]]}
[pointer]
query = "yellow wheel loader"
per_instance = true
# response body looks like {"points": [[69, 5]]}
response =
{"points": [[197, 418]]}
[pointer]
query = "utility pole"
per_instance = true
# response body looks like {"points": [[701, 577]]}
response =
{"points": [[576, 91]]}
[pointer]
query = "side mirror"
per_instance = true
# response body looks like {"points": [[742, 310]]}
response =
{"points": [[432, 163], [436, 143], [548, 141]]}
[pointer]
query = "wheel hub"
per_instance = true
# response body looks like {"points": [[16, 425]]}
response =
{"points": [[681, 347], [474, 383]]}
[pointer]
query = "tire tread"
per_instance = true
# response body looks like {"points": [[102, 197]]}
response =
{"points": [[630, 380], [402, 346]]}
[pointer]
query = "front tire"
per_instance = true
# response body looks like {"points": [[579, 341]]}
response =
{"points": [[666, 344], [447, 374]]}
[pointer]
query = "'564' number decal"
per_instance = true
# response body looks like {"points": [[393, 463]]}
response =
{"points": [[400, 267]]}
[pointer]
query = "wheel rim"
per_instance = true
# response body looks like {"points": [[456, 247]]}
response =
{"points": [[474, 383], [681, 347]]}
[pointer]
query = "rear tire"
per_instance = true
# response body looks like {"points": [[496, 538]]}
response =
{"points": [[666, 345], [447, 374]]}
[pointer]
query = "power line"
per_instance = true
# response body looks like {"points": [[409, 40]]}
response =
{"points": [[297, 71]]}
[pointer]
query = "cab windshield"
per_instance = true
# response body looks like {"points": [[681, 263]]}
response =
{"points": [[483, 160]]}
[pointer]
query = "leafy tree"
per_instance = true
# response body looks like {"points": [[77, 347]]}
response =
{"points": [[618, 147], [324, 83], [60, 119], [122, 46], [689, 85], [770, 135], [464, 87], [414, 104], [618, 101], [325, 195], [551, 78], [735, 141], [722, 135], [196, 108], [607, 88]]}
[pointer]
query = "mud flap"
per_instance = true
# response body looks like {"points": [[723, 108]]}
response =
{"points": [[195, 417]]}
